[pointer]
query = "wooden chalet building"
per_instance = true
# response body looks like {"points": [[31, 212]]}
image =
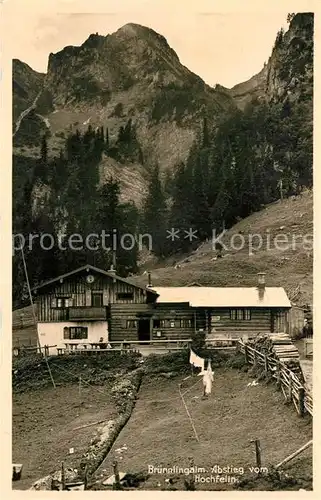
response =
{"points": [[89, 305]]}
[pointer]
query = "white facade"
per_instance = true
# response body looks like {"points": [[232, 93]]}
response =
{"points": [[52, 333]]}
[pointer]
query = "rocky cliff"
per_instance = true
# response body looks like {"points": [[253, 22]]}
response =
{"points": [[289, 70], [26, 85], [132, 73]]}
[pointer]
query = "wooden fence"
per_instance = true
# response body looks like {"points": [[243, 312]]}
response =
{"points": [[286, 380], [156, 345], [19, 351], [308, 347]]}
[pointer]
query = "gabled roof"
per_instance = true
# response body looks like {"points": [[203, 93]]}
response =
{"points": [[89, 267], [224, 296]]}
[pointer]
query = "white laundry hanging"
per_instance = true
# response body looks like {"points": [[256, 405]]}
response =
{"points": [[196, 360]]}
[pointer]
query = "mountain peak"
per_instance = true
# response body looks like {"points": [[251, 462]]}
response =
{"points": [[131, 28], [146, 34]]}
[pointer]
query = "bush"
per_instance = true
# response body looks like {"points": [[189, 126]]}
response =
{"points": [[164, 363], [31, 373], [237, 361]]}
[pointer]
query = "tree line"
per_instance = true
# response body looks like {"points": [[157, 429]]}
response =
{"points": [[73, 202], [250, 159]]}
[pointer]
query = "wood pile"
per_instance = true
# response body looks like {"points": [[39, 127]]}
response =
{"points": [[279, 346], [283, 348]]}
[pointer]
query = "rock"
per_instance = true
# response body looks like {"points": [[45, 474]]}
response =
{"points": [[111, 480], [46, 482]]}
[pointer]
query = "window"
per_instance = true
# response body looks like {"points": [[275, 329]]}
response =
{"points": [[233, 313], [61, 302], [159, 323], [186, 323], [172, 323], [131, 323], [247, 314], [125, 296], [240, 314], [97, 299], [75, 332]]}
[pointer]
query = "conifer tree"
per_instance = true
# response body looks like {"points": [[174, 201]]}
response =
{"points": [[155, 213], [44, 150]]}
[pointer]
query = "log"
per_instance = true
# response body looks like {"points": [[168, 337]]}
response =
{"points": [[293, 455]]}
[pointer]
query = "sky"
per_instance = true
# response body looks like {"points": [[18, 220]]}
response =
{"points": [[221, 46]]}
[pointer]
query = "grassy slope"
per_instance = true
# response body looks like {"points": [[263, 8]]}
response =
{"points": [[159, 432], [43, 428], [288, 268]]}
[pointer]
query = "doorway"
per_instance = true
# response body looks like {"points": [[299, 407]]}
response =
{"points": [[97, 299], [143, 329]]}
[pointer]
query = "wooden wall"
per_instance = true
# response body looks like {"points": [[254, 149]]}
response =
{"points": [[24, 330], [200, 318], [26, 337], [120, 314], [260, 321], [80, 292], [174, 312], [296, 321]]}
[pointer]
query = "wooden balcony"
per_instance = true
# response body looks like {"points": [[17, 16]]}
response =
{"points": [[87, 313]]}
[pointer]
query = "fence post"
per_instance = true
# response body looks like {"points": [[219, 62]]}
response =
{"points": [[278, 375], [63, 479], [246, 354], [266, 364], [116, 474], [255, 358], [257, 452], [290, 388], [301, 401]]}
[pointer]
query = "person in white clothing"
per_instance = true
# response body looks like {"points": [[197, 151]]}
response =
{"points": [[208, 378]]}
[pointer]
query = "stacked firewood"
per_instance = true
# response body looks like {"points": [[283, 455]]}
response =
{"points": [[279, 346]]}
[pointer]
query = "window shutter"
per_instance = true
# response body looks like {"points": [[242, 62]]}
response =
{"points": [[66, 333], [88, 298], [105, 298]]}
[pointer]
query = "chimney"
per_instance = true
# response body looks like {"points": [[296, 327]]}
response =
{"points": [[261, 285], [113, 265], [112, 270], [261, 281], [149, 280]]}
